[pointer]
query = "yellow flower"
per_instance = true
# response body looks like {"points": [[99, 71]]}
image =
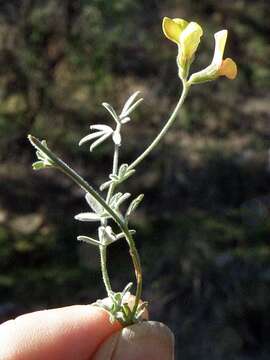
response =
{"points": [[187, 36], [218, 66]]}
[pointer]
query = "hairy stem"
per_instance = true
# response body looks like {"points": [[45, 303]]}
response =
{"points": [[164, 130], [114, 172], [138, 271], [103, 249], [61, 165], [105, 203], [104, 271]]}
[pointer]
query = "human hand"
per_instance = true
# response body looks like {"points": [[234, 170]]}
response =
{"points": [[82, 332]]}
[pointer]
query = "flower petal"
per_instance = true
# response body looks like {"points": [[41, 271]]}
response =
{"points": [[190, 39], [220, 41], [228, 68], [181, 23], [172, 28]]}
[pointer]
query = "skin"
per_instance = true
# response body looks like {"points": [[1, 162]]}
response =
{"points": [[81, 332]]}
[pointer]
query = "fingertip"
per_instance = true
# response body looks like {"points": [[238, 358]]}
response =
{"points": [[149, 340]]}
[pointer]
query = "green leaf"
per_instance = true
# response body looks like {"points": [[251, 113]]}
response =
{"points": [[105, 185], [133, 107], [111, 110], [127, 311], [134, 204], [127, 288], [122, 170], [130, 105], [88, 240], [45, 161], [122, 235], [129, 102], [38, 165], [87, 217], [94, 204]]}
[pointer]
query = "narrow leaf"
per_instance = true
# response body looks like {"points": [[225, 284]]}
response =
{"points": [[127, 288], [122, 170], [38, 165], [125, 120], [113, 177], [91, 137], [122, 199], [88, 240], [94, 204], [111, 110], [99, 141], [115, 198], [128, 174], [105, 185], [122, 235], [40, 155], [87, 217], [133, 107], [134, 204], [127, 310], [101, 127], [128, 103]]}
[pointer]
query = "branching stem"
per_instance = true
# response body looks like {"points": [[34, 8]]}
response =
{"points": [[164, 130], [118, 219]]}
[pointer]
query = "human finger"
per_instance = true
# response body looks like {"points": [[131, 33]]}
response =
{"points": [[70, 333], [149, 340]]}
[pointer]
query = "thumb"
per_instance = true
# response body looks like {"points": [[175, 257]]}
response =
{"points": [[149, 340]]}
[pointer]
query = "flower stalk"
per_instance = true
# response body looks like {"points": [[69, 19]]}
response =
{"points": [[165, 129]]}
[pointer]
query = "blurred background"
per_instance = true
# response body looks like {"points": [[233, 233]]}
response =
{"points": [[203, 230]]}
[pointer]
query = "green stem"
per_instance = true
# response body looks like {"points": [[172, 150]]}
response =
{"points": [[61, 165], [114, 172], [105, 276], [164, 130], [120, 222], [138, 271], [76, 178], [103, 249]]}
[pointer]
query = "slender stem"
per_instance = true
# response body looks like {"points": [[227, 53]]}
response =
{"points": [[138, 270], [103, 249], [105, 203], [103, 261], [114, 172], [61, 165], [164, 130]]}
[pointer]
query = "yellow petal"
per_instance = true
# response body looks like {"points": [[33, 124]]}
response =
{"points": [[228, 68], [220, 41], [172, 28], [190, 39], [181, 22]]}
